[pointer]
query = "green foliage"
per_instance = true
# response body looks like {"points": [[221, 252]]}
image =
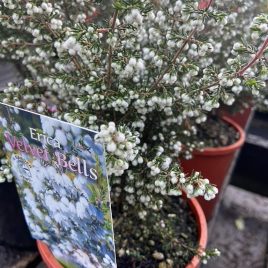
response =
{"points": [[125, 5]]}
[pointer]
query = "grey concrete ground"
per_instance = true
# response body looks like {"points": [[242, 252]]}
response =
{"points": [[240, 230]]}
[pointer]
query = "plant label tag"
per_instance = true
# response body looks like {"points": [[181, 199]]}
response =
{"points": [[60, 174]]}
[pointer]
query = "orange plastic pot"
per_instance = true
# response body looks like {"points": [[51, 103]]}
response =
{"points": [[241, 118], [51, 262], [214, 164]]}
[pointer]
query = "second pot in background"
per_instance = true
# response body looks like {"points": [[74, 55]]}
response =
{"points": [[214, 164]]}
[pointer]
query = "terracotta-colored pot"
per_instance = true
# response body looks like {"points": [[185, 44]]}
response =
{"points": [[51, 262], [214, 164], [241, 118]]}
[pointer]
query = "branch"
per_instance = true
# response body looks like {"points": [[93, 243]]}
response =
{"points": [[204, 4], [210, 85], [254, 60], [109, 70], [178, 53], [246, 67]]}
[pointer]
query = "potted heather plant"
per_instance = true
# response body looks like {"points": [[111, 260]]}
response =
{"points": [[243, 106], [222, 141], [140, 77], [240, 17]]}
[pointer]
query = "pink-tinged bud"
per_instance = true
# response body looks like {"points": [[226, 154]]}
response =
{"points": [[52, 109], [103, 30], [204, 4], [90, 19]]}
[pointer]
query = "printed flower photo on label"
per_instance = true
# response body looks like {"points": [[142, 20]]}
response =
{"points": [[61, 178]]}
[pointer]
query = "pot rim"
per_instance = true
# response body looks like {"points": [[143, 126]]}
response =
{"points": [[47, 255], [211, 151], [202, 229], [201, 222]]}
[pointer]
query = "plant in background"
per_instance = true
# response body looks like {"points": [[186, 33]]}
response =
{"points": [[240, 18], [246, 72], [144, 78]]}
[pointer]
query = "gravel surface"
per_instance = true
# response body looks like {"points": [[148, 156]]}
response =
{"points": [[240, 231]]}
